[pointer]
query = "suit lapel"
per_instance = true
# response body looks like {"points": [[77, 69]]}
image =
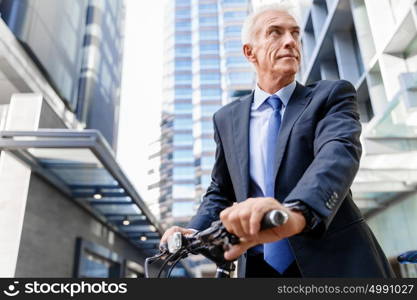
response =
{"points": [[296, 105], [241, 117], [241, 122]]}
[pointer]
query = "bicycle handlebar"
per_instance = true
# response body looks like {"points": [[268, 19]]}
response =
{"points": [[211, 242]]}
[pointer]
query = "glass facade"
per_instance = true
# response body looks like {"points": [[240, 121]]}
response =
{"points": [[237, 74], [51, 38], [176, 182], [78, 47]]}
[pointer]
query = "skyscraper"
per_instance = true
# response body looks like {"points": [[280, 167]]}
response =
{"points": [[177, 189], [204, 69]]}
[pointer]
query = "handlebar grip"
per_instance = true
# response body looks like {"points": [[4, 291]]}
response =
{"points": [[409, 257], [274, 218]]}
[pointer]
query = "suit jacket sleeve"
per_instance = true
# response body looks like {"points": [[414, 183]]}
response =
{"points": [[337, 151], [219, 194]]}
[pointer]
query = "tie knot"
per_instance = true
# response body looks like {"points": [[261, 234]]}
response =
{"points": [[275, 102]]}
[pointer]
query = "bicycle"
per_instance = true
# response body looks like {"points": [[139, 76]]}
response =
{"points": [[212, 242]]}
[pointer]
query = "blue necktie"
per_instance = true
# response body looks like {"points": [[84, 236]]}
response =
{"points": [[277, 254]]}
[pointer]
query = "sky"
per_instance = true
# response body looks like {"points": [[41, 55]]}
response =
{"points": [[141, 92]]}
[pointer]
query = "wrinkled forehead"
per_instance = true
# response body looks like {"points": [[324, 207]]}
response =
{"points": [[274, 18]]}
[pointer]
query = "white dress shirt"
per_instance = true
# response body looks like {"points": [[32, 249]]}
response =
{"points": [[258, 134]]}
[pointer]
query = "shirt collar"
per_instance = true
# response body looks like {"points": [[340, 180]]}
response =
{"points": [[284, 94]]}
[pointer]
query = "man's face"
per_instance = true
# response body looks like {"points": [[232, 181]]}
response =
{"points": [[276, 44]]}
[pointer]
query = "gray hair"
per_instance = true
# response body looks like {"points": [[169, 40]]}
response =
{"points": [[249, 25]]}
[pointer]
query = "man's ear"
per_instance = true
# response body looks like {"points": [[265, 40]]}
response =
{"points": [[249, 53]]}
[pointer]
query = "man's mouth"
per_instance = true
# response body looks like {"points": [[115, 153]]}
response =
{"points": [[287, 56]]}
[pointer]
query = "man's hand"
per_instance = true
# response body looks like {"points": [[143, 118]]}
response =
{"points": [[171, 231], [244, 220]]}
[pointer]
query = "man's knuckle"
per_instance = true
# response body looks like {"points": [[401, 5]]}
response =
{"points": [[253, 221], [257, 209], [244, 214], [223, 215]]}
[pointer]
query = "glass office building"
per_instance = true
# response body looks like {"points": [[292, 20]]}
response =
{"points": [[176, 182], [373, 44], [204, 69]]}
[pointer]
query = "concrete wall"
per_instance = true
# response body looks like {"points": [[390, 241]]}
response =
{"points": [[51, 225]]}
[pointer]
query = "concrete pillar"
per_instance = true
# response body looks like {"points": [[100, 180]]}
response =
{"points": [[23, 114], [345, 56], [318, 16], [377, 91]]}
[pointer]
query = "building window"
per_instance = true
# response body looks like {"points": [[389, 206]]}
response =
{"points": [[183, 51], [183, 64], [182, 124], [183, 78], [207, 126], [183, 108], [209, 7], [208, 145], [183, 190], [209, 35], [183, 173], [235, 15], [205, 180], [207, 162], [210, 77], [234, 45], [234, 1], [183, 93], [183, 13], [183, 139], [183, 156], [95, 261], [211, 92], [209, 62], [212, 21], [209, 110], [209, 48], [183, 38], [183, 25], [236, 61], [232, 29], [183, 209], [240, 78]]}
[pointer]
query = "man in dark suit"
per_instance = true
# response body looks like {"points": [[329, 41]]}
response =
{"points": [[295, 148]]}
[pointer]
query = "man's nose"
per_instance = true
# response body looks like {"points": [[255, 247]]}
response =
{"points": [[289, 40]]}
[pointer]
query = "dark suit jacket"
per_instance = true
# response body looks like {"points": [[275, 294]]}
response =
{"points": [[318, 156]]}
